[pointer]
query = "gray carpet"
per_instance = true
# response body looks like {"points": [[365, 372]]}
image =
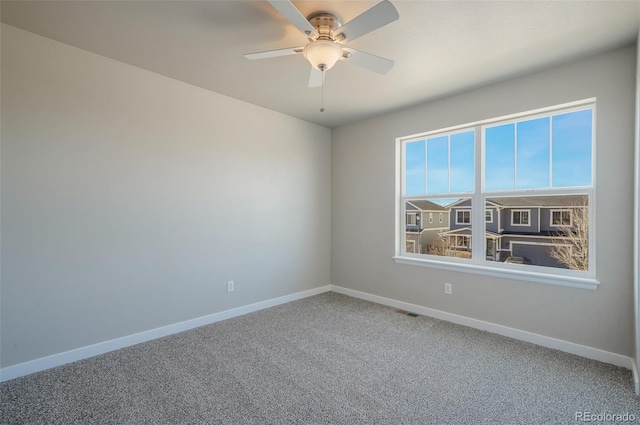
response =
{"points": [[328, 359]]}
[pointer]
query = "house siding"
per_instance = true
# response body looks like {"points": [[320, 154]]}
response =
{"points": [[493, 226]]}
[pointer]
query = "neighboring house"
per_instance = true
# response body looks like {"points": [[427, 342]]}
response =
{"points": [[517, 226], [425, 221]]}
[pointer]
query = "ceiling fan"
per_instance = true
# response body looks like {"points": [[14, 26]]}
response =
{"points": [[327, 35]]}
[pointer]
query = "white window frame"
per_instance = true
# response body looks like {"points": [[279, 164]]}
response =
{"points": [[430, 218], [527, 224], [463, 210], [415, 219], [563, 210], [441, 217], [478, 264]]}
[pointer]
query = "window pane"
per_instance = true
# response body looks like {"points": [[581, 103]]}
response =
{"points": [[499, 157], [412, 228], [532, 156], [438, 165], [548, 231], [455, 240], [572, 135], [415, 168], [462, 162], [427, 236]]}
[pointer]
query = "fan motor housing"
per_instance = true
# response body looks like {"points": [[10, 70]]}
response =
{"points": [[326, 23]]}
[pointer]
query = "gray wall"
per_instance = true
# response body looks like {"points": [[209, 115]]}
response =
{"points": [[129, 199], [363, 168]]}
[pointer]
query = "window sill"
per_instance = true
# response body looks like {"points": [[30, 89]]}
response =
{"points": [[524, 275]]}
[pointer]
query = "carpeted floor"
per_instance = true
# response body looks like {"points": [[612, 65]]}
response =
{"points": [[328, 359]]}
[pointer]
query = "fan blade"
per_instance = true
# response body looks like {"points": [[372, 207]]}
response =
{"points": [[368, 61], [316, 78], [274, 53], [378, 16], [293, 15]]}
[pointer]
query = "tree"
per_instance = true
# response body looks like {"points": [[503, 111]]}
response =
{"points": [[439, 246], [571, 246], [443, 246]]}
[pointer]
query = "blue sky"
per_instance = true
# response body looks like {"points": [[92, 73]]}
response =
{"points": [[539, 153]]}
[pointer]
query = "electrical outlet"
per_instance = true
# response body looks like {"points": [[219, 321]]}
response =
{"points": [[230, 286], [448, 288]]}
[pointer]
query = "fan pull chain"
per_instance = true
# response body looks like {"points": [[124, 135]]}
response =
{"points": [[322, 88]]}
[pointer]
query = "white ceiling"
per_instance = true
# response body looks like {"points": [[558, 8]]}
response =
{"points": [[439, 47]]}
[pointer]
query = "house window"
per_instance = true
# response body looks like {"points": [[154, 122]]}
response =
{"points": [[561, 218], [411, 219], [520, 217], [430, 218], [440, 217], [460, 241], [534, 169], [411, 246], [463, 217]]}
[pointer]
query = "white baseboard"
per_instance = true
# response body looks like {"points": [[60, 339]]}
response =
{"points": [[545, 341], [70, 356], [636, 378]]}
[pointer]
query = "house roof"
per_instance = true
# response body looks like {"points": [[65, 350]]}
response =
{"points": [[425, 205], [458, 202], [560, 201]]}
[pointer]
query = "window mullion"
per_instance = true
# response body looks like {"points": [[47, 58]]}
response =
{"points": [[401, 190], [449, 163], [515, 155], [550, 151], [477, 201]]}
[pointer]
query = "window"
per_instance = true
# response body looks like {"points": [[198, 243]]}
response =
{"points": [[411, 219], [463, 217], [519, 217], [411, 246], [430, 218], [460, 241], [530, 172], [561, 218]]}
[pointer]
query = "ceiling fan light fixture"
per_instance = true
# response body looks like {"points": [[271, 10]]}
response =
{"points": [[322, 54]]}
